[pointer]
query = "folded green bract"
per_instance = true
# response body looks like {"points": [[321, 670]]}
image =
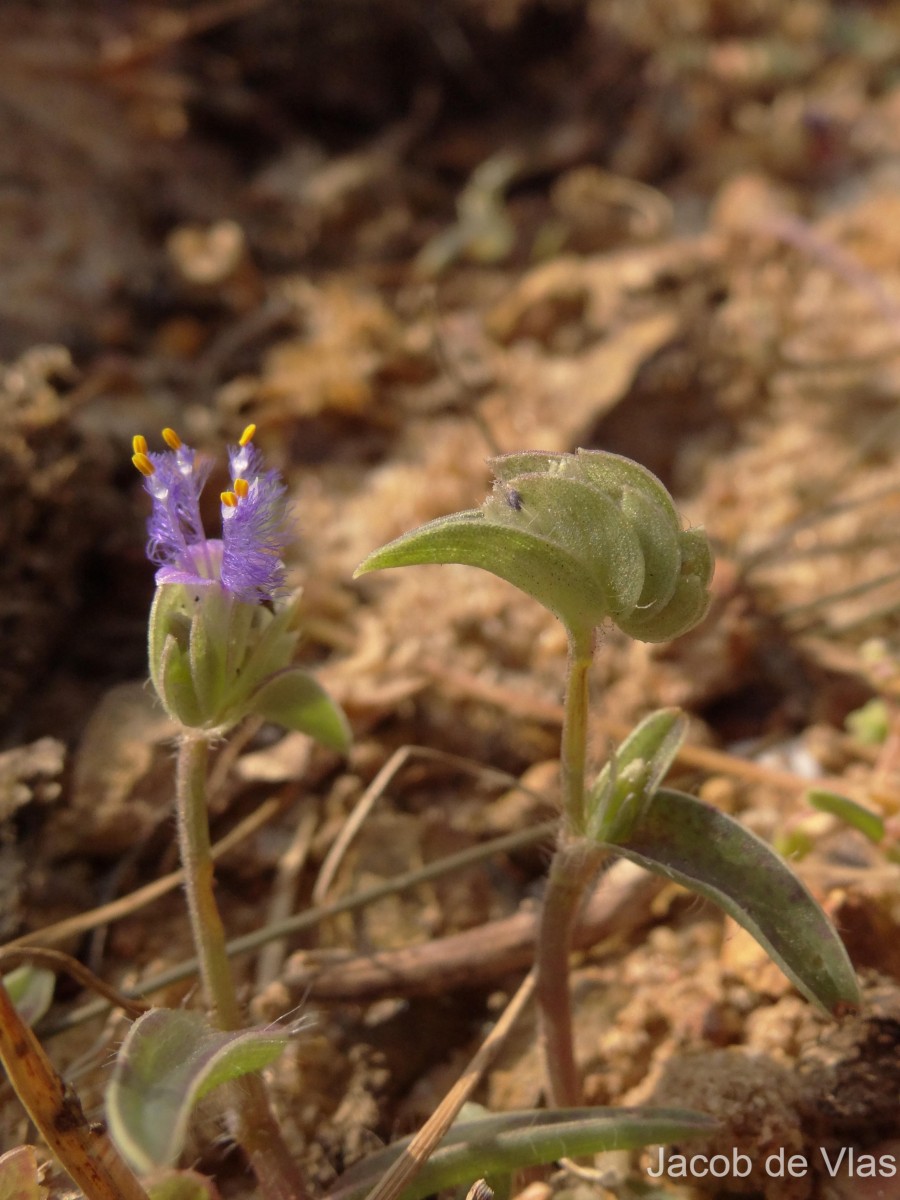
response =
{"points": [[591, 535]]}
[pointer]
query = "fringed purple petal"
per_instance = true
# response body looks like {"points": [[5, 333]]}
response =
{"points": [[247, 561], [175, 524], [254, 534]]}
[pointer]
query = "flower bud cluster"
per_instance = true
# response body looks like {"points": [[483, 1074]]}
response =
{"points": [[592, 536], [617, 521]]}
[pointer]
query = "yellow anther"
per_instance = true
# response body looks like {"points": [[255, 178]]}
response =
{"points": [[247, 435], [241, 488], [171, 438], [229, 499], [143, 463], [139, 444]]}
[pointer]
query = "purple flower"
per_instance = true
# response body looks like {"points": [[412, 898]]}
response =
{"points": [[247, 560]]}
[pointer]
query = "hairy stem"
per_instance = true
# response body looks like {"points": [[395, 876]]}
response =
{"points": [[573, 868], [254, 1125], [196, 859], [574, 865]]}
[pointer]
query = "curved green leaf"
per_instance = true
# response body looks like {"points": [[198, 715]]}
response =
{"points": [[511, 1141], [170, 616], [867, 822], [293, 699], [710, 853], [638, 500], [31, 991], [525, 559], [169, 1061]]}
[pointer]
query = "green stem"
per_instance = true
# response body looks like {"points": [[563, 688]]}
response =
{"points": [[196, 859], [573, 751], [254, 1125], [574, 865]]}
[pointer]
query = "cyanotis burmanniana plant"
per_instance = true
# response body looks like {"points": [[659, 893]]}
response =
{"points": [[223, 628]]}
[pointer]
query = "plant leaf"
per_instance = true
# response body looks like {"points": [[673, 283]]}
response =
{"points": [[19, 1179], [710, 853], [855, 815], [293, 699], [169, 1061], [510, 1141], [523, 558], [31, 991]]}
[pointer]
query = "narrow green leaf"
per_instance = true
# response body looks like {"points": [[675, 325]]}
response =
{"points": [[243, 620], [31, 991], [710, 853], [525, 559], [863, 819], [512, 1141], [293, 699], [169, 1061]]}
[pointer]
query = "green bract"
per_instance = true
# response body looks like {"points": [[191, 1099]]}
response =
{"points": [[215, 660], [590, 535], [626, 785]]}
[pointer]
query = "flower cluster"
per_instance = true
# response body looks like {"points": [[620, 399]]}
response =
{"points": [[247, 560]]}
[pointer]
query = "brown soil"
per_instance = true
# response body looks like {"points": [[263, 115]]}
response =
{"points": [[401, 238]]}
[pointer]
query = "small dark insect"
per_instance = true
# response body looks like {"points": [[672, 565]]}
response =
{"points": [[514, 499]]}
